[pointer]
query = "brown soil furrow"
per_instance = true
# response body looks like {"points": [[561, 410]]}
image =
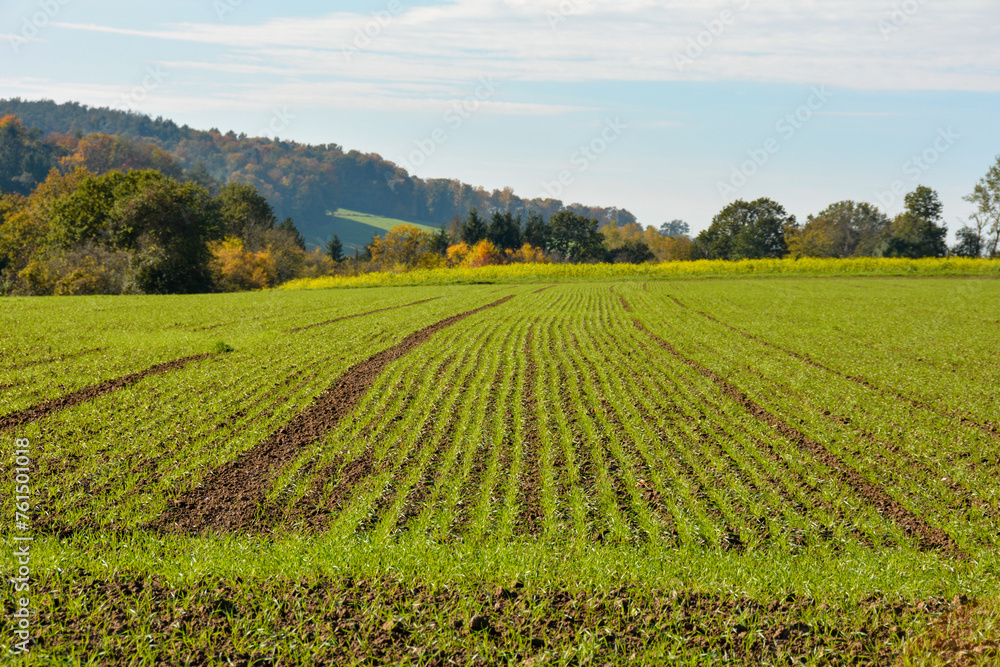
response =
{"points": [[802, 486], [890, 454], [351, 317], [28, 415], [698, 489], [539, 291], [232, 494], [794, 480], [927, 536], [987, 426], [529, 497], [731, 535], [210, 327]]}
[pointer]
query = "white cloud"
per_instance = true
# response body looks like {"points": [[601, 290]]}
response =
{"points": [[435, 53]]}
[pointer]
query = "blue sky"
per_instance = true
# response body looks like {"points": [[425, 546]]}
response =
{"points": [[668, 108]]}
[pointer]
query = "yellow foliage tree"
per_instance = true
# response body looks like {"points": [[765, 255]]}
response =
{"points": [[666, 248], [24, 231], [457, 253], [483, 253], [407, 246], [528, 254], [236, 269]]}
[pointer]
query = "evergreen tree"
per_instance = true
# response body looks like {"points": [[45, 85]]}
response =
{"points": [[537, 232], [473, 229], [289, 226], [505, 231], [335, 249]]}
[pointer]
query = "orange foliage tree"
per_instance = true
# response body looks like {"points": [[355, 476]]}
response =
{"points": [[237, 269], [407, 246]]}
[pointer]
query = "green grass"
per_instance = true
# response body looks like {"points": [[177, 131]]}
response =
{"points": [[732, 543], [380, 222], [354, 229]]}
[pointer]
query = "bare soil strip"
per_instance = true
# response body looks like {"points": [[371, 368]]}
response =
{"points": [[988, 426], [28, 415], [927, 536], [351, 317], [233, 494]]}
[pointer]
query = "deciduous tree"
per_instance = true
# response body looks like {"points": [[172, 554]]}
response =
{"points": [[986, 198], [746, 230]]}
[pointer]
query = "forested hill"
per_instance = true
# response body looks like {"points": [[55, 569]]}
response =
{"points": [[304, 182]]}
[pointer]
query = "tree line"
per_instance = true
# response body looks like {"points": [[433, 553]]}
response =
{"points": [[505, 237], [763, 229]]}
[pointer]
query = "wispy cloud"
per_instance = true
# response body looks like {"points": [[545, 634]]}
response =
{"points": [[941, 47]]}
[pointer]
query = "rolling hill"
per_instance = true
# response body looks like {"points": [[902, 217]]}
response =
{"points": [[305, 182]]}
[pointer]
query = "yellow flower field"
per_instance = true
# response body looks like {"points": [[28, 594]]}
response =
{"points": [[529, 273]]}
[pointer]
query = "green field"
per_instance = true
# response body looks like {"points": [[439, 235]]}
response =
{"points": [[732, 471], [354, 229]]}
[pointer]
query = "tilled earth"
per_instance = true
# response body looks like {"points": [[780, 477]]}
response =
{"points": [[145, 620]]}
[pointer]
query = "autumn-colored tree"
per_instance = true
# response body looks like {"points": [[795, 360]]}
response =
{"points": [[102, 153], [457, 253], [844, 229], [25, 224], [668, 248], [237, 269], [483, 253], [24, 158], [528, 254], [404, 245]]}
